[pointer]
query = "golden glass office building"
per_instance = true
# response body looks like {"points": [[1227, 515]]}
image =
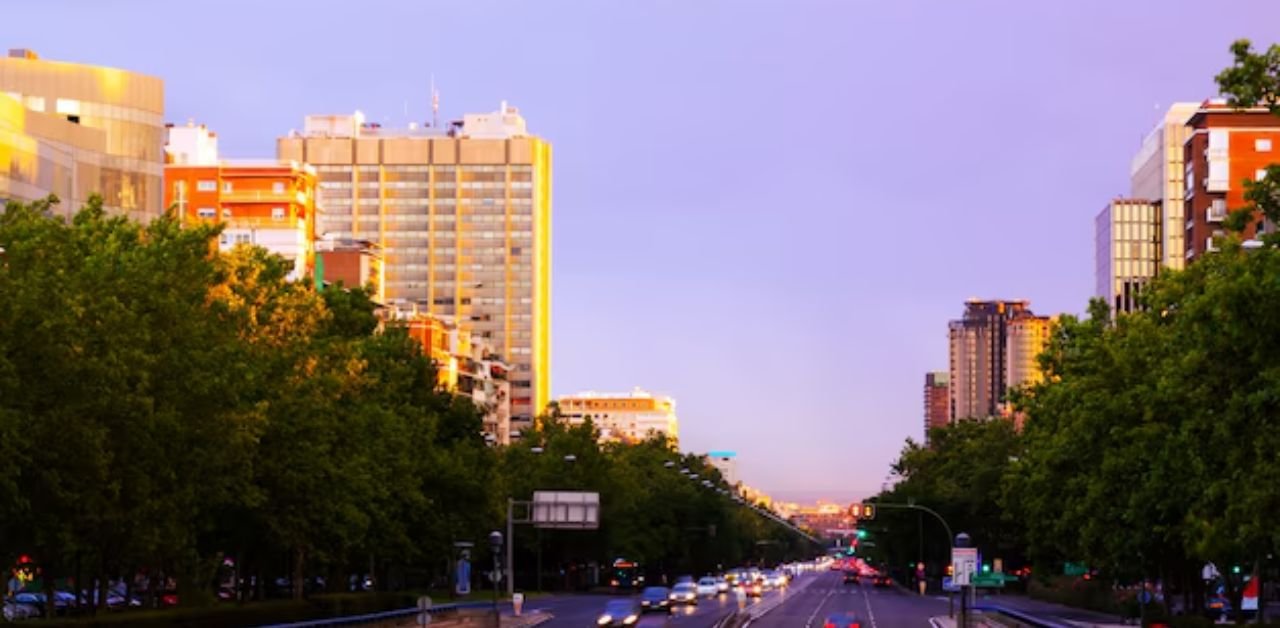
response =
{"points": [[462, 216], [75, 130]]}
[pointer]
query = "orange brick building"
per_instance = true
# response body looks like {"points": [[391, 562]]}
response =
{"points": [[267, 203], [1225, 147]]}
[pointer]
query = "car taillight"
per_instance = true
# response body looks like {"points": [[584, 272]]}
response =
{"points": [[829, 625]]}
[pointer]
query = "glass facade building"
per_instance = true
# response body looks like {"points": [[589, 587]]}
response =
{"points": [[74, 130]]}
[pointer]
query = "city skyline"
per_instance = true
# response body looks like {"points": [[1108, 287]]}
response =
{"points": [[690, 219]]}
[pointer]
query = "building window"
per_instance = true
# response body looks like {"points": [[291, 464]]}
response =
{"points": [[207, 212], [277, 213], [226, 187], [277, 187], [206, 185], [226, 212], [1262, 145], [1260, 174]]}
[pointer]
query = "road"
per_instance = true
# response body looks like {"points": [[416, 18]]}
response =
{"points": [[581, 611], [890, 607]]}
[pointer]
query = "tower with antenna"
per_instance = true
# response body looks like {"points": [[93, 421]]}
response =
{"points": [[435, 104]]}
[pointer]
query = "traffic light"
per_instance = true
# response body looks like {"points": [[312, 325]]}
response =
{"points": [[986, 568], [862, 534], [1235, 569], [868, 511]]}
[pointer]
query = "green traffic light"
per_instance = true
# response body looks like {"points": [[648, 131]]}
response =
{"points": [[862, 534], [986, 569], [1235, 569]]}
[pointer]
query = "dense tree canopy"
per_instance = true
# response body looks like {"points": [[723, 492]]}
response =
{"points": [[168, 409]]}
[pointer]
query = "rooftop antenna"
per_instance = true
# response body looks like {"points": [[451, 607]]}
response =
{"points": [[435, 104]]}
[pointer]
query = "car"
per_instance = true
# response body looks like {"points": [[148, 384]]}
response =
{"points": [[774, 579], [842, 620], [753, 589], [851, 577], [722, 585], [14, 611], [619, 613], [707, 587], [684, 593], [655, 599], [881, 580]]}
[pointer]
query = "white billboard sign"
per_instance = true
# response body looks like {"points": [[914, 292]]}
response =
{"points": [[576, 510]]}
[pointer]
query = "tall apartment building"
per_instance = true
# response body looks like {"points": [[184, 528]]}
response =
{"points": [[1127, 244], [981, 359], [1157, 175], [74, 130], [262, 202], [629, 416], [462, 219], [937, 406], [1225, 148]]}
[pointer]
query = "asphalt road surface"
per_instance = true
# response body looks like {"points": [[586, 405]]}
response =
{"points": [[581, 611], [887, 607]]}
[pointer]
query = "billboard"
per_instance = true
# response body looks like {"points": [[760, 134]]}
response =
{"points": [[575, 510]]}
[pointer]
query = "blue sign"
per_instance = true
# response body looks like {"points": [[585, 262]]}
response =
{"points": [[462, 583], [949, 585]]}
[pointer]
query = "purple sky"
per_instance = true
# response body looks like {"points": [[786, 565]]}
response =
{"points": [[768, 210]]}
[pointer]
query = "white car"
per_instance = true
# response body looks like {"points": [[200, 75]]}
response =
{"points": [[722, 585], [706, 587]]}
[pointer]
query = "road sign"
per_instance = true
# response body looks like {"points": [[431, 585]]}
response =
{"points": [[988, 580], [964, 563], [424, 605], [949, 584], [577, 510]]}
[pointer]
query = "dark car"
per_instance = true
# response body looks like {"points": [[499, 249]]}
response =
{"points": [[881, 580], [619, 613], [684, 593], [842, 620], [851, 577], [655, 599]]}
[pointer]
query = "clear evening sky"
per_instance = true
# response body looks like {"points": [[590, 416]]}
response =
{"points": [[768, 210]]}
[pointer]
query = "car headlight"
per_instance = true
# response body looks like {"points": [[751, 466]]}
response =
{"points": [[604, 619], [631, 619]]}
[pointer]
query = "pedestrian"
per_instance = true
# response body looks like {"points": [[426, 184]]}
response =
{"points": [[14, 585]]}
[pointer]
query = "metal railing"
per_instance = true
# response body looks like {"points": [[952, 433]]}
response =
{"points": [[356, 620]]}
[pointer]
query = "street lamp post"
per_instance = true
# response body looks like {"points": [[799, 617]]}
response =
{"points": [[495, 542]]}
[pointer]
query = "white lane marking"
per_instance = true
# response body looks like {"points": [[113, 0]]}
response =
{"points": [[871, 616], [809, 622]]}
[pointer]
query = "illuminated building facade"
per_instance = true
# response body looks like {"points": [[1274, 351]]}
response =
{"points": [[1157, 175], [461, 218], [629, 417], [74, 130], [1127, 244], [466, 365], [264, 203], [992, 349]]}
